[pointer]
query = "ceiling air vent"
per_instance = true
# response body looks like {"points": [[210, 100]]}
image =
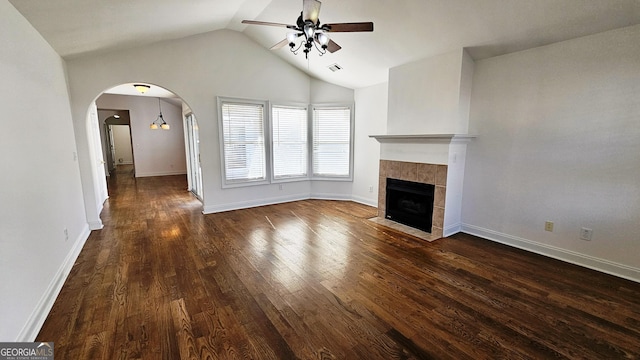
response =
{"points": [[335, 67]]}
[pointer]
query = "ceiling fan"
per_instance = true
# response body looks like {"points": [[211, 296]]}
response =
{"points": [[308, 25]]}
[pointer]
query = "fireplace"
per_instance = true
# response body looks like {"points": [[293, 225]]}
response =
{"points": [[422, 173], [410, 203], [436, 159]]}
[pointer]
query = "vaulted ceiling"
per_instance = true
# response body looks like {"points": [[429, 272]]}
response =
{"points": [[405, 30]]}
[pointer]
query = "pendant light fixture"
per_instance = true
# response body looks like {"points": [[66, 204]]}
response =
{"points": [[159, 121]]}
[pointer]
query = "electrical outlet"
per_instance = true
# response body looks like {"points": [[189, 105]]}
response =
{"points": [[280, 187], [66, 234], [370, 189], [586, 234], [548, 226]]}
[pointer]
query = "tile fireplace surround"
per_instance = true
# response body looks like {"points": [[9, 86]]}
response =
{"points": [[434, 174]]}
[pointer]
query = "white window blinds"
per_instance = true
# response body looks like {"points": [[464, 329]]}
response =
{"points": [[243, 139], [331, 141], [289, 141]]}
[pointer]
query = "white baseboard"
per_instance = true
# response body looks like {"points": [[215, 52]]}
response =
{"points": [[591, 262], [365, 201], [40, 313], [161, 173], [211, 209], [330, 196], [452, 229], [96, 225]]}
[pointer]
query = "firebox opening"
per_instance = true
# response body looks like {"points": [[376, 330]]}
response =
{"points": [[410, 203]]}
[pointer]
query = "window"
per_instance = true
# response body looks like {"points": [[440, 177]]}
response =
{"points": [[332, 145], [289, 142], [243, 142], [301, 144]]}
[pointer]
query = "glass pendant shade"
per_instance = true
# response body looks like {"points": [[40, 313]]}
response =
{"points": [[323, 39], [291, 37]]}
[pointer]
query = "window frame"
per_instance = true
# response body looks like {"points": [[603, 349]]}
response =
{"points": [[226, 183], [271, 147], [267, 130], [351, 107]]}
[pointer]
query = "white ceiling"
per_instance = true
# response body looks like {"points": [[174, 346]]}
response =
{"points": [[153, 92], [404, 31], [129, 89]]}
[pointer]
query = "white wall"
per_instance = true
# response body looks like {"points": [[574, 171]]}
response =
{"points": [[156, 152], [371, 119], [559, 140], [40, 190], [122, 144], [430, 96], [321, 92]]}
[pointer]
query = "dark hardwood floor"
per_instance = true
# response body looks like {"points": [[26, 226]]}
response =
{"points": [[316, 280]]}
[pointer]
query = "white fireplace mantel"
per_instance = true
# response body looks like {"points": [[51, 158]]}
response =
{"points": [[425, 138]]}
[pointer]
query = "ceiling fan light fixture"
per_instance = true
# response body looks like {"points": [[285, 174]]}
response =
{"points": [[309, 26], [142, 88], [291, 37], [309, 31], [323, 39]]}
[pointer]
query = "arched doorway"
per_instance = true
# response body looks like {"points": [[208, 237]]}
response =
{"points": [[155, 150], [117, 143]]}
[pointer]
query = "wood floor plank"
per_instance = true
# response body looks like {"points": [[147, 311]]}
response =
{"points": [[315, 279]]}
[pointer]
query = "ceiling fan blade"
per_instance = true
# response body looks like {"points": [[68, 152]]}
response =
{"points": [[333, 47], [311, 10], [279, 45], [254, 22], [348, 27]]}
